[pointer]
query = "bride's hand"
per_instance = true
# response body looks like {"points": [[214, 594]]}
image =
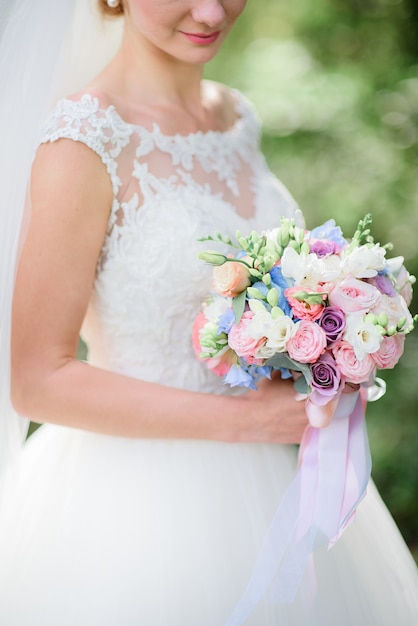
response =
{"points": [[321, 416], [273, 414]]}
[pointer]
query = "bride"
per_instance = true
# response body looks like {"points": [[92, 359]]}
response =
{"points": [[145, 496]]}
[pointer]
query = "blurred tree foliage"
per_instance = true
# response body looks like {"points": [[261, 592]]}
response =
{"points": [[335, 83]]}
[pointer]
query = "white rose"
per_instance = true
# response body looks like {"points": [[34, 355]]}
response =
{"points": [[276, 331], [260, 324], [363, 336], [281, 330], [365, 261]]}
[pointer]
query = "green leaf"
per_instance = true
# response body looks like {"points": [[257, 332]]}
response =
{"points": [[283, 360], [300, 385], [238, 305]]}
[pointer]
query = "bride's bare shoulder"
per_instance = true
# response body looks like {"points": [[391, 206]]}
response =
{"points": [[223, 100]]}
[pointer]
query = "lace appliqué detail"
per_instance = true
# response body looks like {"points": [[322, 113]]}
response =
{"points": [[220, 152], [103, 131]]}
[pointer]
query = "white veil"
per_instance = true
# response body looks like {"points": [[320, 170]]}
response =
{"points": [[47, 49]]}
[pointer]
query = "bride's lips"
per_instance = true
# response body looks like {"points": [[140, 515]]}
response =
{"points": [[202, 39]]}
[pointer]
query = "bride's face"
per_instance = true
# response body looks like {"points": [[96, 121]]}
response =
{"points": [[191, 31]]}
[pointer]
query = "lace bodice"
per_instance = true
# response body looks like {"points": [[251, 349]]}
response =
{"points": [[168, 192]]}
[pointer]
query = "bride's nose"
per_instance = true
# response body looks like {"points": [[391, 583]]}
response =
{"points": [[209, 12]]}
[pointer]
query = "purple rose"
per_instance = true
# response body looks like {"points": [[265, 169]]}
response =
{"points": [[326, 379], [332, 322], [323, 247], [383, 284]]}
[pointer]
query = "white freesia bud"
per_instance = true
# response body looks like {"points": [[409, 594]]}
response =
{"points": [[253, 292], [273, 297], [256, 306], [212, 257]]}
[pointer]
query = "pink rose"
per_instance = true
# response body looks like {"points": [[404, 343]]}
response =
{"points": [[354, 370], [308, 343], [353, 295], [240, 341], [301, 309], [389, 353], [230, 279]]}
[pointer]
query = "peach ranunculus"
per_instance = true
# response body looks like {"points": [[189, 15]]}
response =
{"points": [[231, 278], [301, 309], [308, 343], [390, 352], [353, 370], [353, 295], [242, 343]]}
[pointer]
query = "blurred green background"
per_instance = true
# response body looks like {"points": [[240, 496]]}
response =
{"points": [[335, 84]]}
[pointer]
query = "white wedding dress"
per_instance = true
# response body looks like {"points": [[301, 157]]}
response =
{"points": [[103, 531]]}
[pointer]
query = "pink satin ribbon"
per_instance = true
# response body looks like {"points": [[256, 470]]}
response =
{"points": [[334, 471]]}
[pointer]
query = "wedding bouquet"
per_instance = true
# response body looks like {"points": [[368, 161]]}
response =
{"points": [[304, 301], [335, 311]]}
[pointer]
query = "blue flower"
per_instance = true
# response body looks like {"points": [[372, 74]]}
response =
{"points": [[238, 377], [259, 371], [226, 321], [285, 373], [280, 283], [278, 278], [330, 231]]}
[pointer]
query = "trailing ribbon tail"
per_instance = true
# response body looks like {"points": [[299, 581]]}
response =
{"points": [[334, 471]]}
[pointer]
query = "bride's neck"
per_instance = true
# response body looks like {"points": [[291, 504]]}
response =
{"points": [[147, 75]]}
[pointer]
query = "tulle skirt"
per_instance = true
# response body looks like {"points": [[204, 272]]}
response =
{"points": [[102, 531]]}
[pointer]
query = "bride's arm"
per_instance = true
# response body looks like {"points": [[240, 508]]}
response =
{"points": [[71, 199]]}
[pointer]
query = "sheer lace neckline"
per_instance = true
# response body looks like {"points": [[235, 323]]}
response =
{"points": [[240, 109]]}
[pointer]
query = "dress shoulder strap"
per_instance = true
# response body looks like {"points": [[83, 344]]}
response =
{"points": [[85, 120]]}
